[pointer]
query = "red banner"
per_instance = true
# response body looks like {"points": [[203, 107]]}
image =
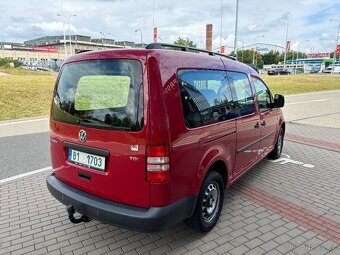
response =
{"points": [[288, 46], [319, 55], [155, 34], [222, 49], [45, 49], [337, 49]]}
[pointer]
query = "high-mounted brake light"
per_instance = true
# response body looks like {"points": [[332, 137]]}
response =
{"points": [[157, 167]]}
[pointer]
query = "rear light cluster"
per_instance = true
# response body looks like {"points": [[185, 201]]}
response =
{"points": [[157, 167]]}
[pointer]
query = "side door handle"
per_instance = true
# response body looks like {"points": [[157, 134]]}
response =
{"points": [[263, 124], [257, 125]]}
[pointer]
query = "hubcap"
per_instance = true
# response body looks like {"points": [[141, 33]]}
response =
{"points": [[211, 201]]}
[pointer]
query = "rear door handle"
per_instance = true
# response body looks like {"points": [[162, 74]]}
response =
{"points": [[263, 124], [257, 125]]}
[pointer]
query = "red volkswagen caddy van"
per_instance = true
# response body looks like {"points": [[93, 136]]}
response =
{"points": [[144, 139]]}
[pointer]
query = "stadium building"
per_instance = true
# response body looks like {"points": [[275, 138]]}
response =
{"points": [[50, 51]]}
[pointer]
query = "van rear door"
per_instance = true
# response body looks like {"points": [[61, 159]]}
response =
{"points": [[97, 135]]}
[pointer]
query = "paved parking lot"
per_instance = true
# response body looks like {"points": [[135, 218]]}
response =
{"points": [[287, 206]]}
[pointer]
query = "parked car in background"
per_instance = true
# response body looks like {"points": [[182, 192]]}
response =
{"points": [[144, 139], [330, 68], [279, 71], [296, 72]]}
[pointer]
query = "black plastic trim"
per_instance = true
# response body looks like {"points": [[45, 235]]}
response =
{"points": [[151, 219], [84, 176], [91, 150], [257, 141]]}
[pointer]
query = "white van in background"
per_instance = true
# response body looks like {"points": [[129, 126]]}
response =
{"points": [[330, 68]]}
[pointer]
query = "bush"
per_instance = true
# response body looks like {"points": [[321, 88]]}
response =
{"points": [[16, 63], [6, 62]]}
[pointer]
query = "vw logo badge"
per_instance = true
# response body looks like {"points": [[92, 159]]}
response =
{"points": [[82, 136]]}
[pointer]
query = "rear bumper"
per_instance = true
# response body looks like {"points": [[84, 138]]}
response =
{"points": [[141, 219]]}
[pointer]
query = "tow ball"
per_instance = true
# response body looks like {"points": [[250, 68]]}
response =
{"points": [[71, 211]]}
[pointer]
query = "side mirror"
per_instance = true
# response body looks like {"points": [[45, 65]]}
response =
{"points": [[279, 101]]}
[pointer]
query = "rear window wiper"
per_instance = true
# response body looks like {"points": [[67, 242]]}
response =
{"points": [[98, 124]]}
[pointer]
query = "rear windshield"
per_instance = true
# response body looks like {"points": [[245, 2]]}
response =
{"points": [[101, 94]]}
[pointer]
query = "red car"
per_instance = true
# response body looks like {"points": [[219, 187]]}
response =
{"points": [[144, 139]]}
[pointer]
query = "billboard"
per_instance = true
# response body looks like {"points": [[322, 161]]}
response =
{"points": [[319, 55], [337, 49], [31, 48], [288, 46], [45, 49]]}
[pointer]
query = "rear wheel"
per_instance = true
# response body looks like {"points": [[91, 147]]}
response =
{"points": [[276, 153], [209, 203]]}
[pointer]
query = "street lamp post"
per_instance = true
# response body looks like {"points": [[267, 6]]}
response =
{"points": [[141, 36], [221, 24], [336, 44], [242, 48], [69, 30], [153, 14], [236, 22], [62, 11], [297, 53], [67, 17], [285, 56], [65, 50], [254, 47]]}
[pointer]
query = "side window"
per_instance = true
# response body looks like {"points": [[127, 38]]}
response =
{"points": [[243, 96], [206, 97], [263, 94]]}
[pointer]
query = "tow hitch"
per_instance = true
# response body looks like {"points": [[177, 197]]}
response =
{"points": [[71, 211]]}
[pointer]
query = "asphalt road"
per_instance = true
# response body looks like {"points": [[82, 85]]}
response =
{"points": [[23, 153], [24, 144], [318, 109]]}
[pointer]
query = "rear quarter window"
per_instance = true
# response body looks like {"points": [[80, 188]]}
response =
{"points": [[206, 97]]}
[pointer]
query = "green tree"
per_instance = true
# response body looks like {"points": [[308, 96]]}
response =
{"points": [[185, 42], [274, 57], [6, 62], [258, 60], [246, 56], [270, 57]]}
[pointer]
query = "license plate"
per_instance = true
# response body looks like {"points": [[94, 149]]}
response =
{"points": [[86, 159]]}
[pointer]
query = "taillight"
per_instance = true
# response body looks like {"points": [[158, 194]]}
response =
{"points": [[157, 167]]}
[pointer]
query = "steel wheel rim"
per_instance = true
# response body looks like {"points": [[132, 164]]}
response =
{"points": [[210, 202]]}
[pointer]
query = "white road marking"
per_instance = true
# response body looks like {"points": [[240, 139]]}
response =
{"points": [[23, 121], [313, 93], [306, 102], [286, 159], [25, 174]]}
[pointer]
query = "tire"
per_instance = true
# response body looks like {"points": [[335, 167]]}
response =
{"points": [[209, 203], [276, 153]]}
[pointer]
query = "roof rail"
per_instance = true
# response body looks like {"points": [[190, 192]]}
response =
{"points": [[185, 48]]}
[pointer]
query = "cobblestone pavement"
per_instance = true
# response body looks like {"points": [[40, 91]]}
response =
{"points": [[287, 206], [320, 133]]}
